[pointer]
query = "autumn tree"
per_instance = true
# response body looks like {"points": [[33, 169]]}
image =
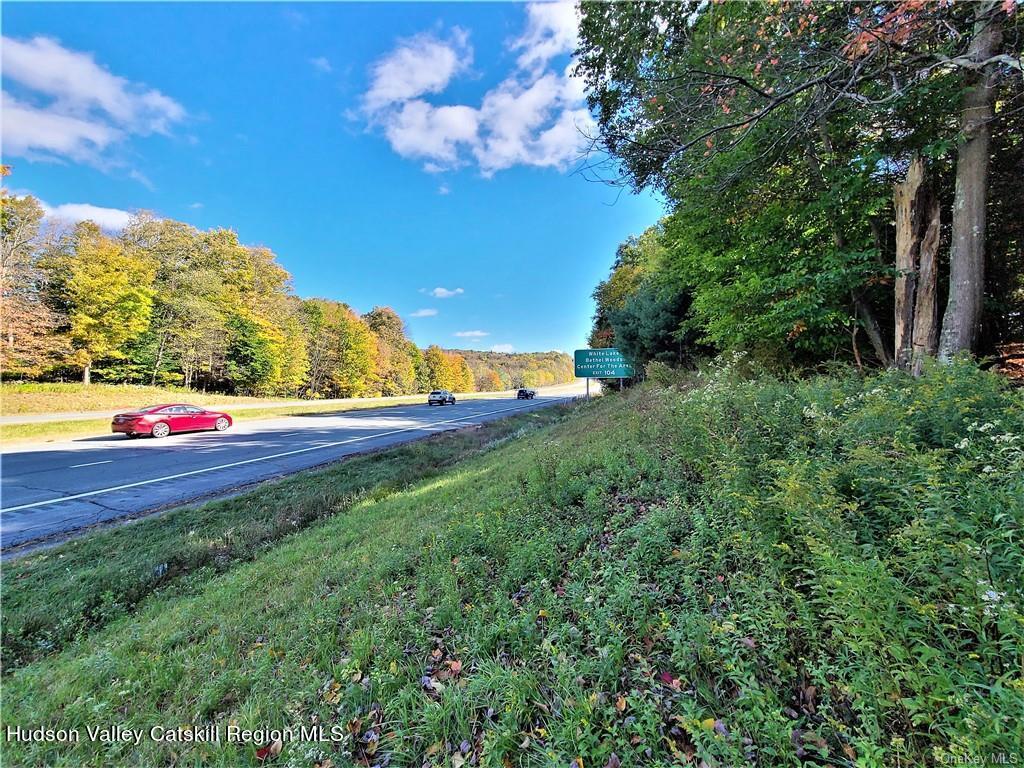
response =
{"points": [[461, 375], [356, 356], [29, 342], [395, 373], [439, 370], [489, 382], [108, 294]]}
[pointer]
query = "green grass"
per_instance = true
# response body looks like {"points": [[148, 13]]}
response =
{"points": [[102, 576], [53, 431], [35, 397], [729, 571]]}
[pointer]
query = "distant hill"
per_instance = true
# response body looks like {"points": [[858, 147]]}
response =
{"points": [[508, 370]]}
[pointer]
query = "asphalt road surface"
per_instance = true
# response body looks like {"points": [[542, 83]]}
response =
{"points": [[54, 489]]}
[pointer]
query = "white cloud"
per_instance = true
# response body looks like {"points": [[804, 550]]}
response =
{"points": [[531, 124], [77, 108], [506, 348], [444, 189], [37, 133], [423, 313], [418, 129], [419, 65], [322, 64], [551, 30], [471, 334], [140, 177], [195, 206], [445, 293], [536, 116], [110, 219]]}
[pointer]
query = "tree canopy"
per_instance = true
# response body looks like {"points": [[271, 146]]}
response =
{"points": [[165, 303]]}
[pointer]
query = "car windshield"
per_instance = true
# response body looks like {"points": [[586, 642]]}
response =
{"points": [[437, 392]]}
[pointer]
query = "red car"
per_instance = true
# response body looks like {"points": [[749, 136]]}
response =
{"points": [[162, 420]]}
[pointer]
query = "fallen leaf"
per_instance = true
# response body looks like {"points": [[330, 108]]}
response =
{"points": [[620, 704], [269, 751], [613, 761]]}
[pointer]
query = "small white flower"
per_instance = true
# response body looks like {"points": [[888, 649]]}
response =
{"points": [[963, 443]]}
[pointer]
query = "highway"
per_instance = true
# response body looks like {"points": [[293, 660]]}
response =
{"points": [[56, 488]]}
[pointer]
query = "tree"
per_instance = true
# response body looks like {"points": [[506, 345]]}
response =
{"points": [[440, 374], [188, 326], [109, 294], [489, 382], [29, 343], [419, 364], [253, 359], [652, 325], [848, 90], [318, 317], [356, 356], [981, 72], [461, 375], [395, 373]]}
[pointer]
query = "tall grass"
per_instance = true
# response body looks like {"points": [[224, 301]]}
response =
{"points": [[728, 571]]}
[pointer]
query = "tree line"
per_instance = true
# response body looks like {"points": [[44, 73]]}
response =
{"points": [[844, 179], [163, 303]]}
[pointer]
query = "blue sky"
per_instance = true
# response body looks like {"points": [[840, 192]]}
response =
{"points": [[382, 151]]}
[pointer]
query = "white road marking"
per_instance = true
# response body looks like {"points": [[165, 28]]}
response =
{"points": [[92, 464], [418, 428]]}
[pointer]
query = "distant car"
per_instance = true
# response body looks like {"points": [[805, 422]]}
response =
{"points": [[526, 394], [440, 397], [162, 420]]}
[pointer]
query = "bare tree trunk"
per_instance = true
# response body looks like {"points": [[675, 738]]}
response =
{"points": [[867, 317], [87, 373], [917, 241], [159, 359], [967, 254], [925, 341], [907, 199]]}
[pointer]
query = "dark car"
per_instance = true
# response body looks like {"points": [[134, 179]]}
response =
{"points": [[440, 397], [526, 394], [162, 420]]}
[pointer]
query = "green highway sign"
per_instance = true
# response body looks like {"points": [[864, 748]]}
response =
{"points": [[602, 364]]}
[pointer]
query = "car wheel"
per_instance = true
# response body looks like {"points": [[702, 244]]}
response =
{"points": [[221, 424], [161, 429], [131, 435], [453, 401]]}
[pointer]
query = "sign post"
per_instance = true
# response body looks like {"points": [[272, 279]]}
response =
{"points": [[601, 364]]}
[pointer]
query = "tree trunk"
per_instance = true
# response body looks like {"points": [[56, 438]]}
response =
{"points": [[159, 359], [917, 240], [87, 373], [925, 340], [871, 328], [967, 255], [907, 199]]}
